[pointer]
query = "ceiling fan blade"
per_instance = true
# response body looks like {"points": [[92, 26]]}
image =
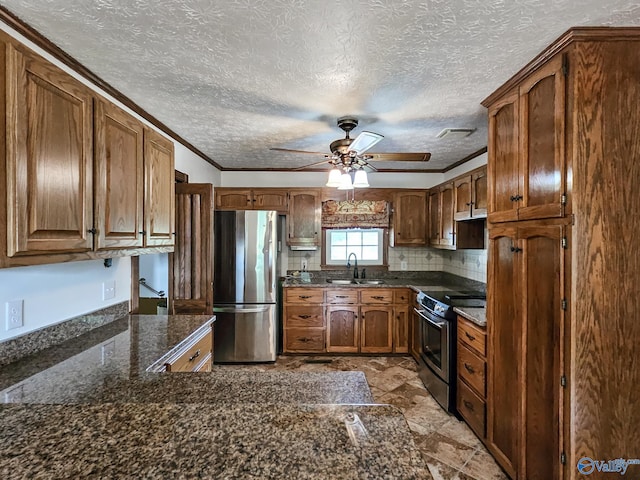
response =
{"points": [[365, 141], [398, 157], [311, 165], [287, 150]]}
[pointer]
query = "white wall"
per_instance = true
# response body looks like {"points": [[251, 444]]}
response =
{"points": [[477, 162], [54, 293]]}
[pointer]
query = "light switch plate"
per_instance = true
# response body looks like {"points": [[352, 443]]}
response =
{"points": [[304, 264]]}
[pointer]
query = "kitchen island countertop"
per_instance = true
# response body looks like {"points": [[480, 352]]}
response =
{"points": [[89, 408]]}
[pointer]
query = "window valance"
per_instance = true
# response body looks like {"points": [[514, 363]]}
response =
{"points": [[355, 214]]}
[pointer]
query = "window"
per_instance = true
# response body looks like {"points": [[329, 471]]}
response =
{"points": [[367, 244]]}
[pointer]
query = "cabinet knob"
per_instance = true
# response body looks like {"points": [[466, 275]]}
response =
{"points": [[469, 368], [92, 230], [143, 232], [515, 198], [516, 249], [468, 404]]}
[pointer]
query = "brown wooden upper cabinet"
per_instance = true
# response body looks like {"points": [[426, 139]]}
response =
{"points": [[410, 218], [441, 210], [119, 185], [134, 185], [526, 142], [84, 179], [49, 176], [252, 199], [304, 219], [471, 195]]}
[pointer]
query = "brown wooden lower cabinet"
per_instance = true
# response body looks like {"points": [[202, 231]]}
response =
{"points": [[472, 370], [195, 356], [346, 320]]}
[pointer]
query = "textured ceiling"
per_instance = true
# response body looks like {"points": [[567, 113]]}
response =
{"points": [[236, 77]]}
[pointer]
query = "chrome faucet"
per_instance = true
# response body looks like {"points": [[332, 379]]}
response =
{"points": [[355, 268]]}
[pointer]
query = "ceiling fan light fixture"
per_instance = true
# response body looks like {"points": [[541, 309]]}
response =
{"points": [[360, 179], [334, 178], [365, 141], [345, 182]]}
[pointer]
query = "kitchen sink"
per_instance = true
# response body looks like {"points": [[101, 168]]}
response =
{"points": [[371, 282], [340, 281]]}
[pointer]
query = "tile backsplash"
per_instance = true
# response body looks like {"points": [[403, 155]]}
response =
{"points": [[465, 263]]}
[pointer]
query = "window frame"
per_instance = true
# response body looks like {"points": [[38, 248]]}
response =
{"points": [[385, 249]]}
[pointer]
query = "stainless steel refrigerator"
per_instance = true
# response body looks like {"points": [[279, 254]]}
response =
{"points": [[245, 286]]}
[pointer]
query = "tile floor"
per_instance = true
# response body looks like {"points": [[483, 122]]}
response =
{"points": [[448, 446]]}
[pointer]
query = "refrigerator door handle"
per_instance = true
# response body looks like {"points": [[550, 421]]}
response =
{"points": [[241, 310]]}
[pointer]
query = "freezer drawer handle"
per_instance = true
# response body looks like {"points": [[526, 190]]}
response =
{"points": [[239, 310]]}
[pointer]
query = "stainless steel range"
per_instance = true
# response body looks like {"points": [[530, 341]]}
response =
{"points": [[439, 339]]}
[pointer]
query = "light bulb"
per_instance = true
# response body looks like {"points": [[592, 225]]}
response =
{"points": [[360, 180], [334, 178], [345, 182]]}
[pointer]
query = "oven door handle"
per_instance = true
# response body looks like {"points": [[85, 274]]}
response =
{"points": [[424, 317]]}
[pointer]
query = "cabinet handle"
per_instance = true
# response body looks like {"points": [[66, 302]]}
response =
{"points": [[143, 232], [305, 316], [92, 230], [305, 340], [516, 249], [515, 198], [470, 337], [469, 368], [194, 356], [468, 404], [378, 297], [341, 296], [304, 296]]}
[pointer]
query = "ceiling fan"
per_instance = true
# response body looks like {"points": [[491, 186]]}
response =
{"points": [[348, 154]]}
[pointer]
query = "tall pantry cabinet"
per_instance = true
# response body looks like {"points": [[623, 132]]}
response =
{"points": [[564, 163]]}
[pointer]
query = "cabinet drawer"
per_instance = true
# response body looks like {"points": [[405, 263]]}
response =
{"points": [[191, 357], [472, 408], [472, 336], [304, 340], [303, 316], [342, 296], [309, 296], [376, 295], [472, 369], [205, 364], [402, 296]]}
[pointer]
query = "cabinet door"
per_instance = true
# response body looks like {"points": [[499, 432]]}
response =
{"points": [[233, 199], [376, 329], [159, 204], [304, 218], [542, 114], [541, 288], [271, 199], [410, 218], [401, 329], [447, 209], [119, 182], [343, 329], [504, 349], [462, 188], [434, 217], [49, 158], [503, 159], [479, 198]]}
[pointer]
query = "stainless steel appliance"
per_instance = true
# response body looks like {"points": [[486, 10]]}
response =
{"points": [[245, 286], [439, 339]]}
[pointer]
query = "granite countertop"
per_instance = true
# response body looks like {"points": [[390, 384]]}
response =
{"points": [[477, 315], [415, 280], [90, 408], [249, 441]]}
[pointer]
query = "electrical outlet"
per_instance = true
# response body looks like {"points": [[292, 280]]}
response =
{"points": [[109, 290], [14, 314], [403, 265], [304, 264]]}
